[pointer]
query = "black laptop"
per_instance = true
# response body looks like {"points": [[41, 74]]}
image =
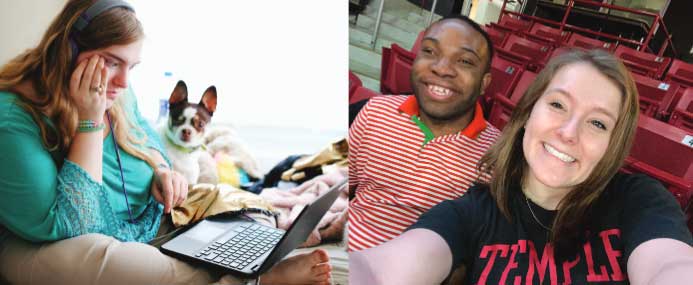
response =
{"points": [[246, 248]]}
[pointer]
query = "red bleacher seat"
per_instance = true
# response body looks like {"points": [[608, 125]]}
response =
{"points": [[515, 24], [496, 34], [548, 35], [354, 82], [362, 93], [504, 76], [656, 97], [520, 50], [395, 70], [665, 153], [682, 116], [496, 26], [580, 41], [503, 104], [643, 62], [680, 72]]}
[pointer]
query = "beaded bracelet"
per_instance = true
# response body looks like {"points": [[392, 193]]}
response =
{"points": [[88, 126]]}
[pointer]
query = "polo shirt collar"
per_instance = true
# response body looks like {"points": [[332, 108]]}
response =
{"points": [[411, 107]]}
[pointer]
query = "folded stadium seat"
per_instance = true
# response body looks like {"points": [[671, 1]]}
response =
{"points": [[682, 116], [580, 41], [496, 34], [520, 50], [503, 104], [496, 26], [680, 72], [663, 152], [395, 70], [359, 100], [522, 60], [515, 24], [504, 75], [354, 82], [417, 43], [655, 96], [548, 35], [362, 93], [643, 62]]}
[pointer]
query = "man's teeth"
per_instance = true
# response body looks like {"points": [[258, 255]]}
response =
{"points": [[562, 156], [440, 91]]}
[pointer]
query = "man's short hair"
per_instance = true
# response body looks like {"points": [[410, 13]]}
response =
{"points": [[476, 27]]}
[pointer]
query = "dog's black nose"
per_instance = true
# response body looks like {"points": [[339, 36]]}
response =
{"points": [[185, 134]]}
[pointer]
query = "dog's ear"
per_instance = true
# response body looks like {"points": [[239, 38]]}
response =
{"points": [[209, 99], [179, 94]]}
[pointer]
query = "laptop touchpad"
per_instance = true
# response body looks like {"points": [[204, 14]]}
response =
{"points": [[204, 232]]}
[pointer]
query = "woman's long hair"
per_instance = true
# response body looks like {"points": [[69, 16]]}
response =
{"points": [[49, 66], [506, 159]]}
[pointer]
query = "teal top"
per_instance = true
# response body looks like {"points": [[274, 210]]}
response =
{"points": [[46, 197]]}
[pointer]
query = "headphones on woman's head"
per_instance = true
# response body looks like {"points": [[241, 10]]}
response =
{"points": [[83, 21]]}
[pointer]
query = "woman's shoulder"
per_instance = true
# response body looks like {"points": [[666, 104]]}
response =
{"points": [[479, 191], [10, 111], [635, 184], [647, 210], [7, 99], [637, 192], [476, 195]]}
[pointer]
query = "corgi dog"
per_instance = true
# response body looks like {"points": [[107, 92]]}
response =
{"points": [[183, 133]]}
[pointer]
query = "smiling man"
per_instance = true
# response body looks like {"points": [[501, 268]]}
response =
{"points": [[409, 153]]}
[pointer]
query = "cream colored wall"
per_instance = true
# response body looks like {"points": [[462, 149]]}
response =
{"points": [[22, 24]]}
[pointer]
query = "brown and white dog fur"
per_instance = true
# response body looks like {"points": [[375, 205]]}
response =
{"points": [[184, 132]]}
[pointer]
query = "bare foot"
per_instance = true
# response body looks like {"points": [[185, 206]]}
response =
{"points": [[309, 268]]}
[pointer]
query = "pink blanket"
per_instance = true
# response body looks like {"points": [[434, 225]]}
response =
{"points": [[289, 203]]}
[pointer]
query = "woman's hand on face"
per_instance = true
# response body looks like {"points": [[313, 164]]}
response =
{"points": [[169, 188], [88, 86]]}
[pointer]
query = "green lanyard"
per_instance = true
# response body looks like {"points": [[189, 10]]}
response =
{"points": [[428, 134]]}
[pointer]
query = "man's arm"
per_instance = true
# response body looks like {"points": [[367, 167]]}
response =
{"points": [[661, 261], [418, 256]]}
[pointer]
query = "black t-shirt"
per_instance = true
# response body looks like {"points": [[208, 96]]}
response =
{"points": [[496, 251]]}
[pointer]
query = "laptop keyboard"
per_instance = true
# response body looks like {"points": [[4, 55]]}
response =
{"points": [[236, 251]]}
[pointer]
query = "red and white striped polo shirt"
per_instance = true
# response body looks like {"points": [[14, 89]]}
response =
{"points": [[397, 177]]}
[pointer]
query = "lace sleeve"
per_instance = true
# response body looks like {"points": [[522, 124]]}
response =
{"points": [[82, 207]]}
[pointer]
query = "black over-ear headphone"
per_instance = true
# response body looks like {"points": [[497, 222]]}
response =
{"points": [[83, 21]]}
